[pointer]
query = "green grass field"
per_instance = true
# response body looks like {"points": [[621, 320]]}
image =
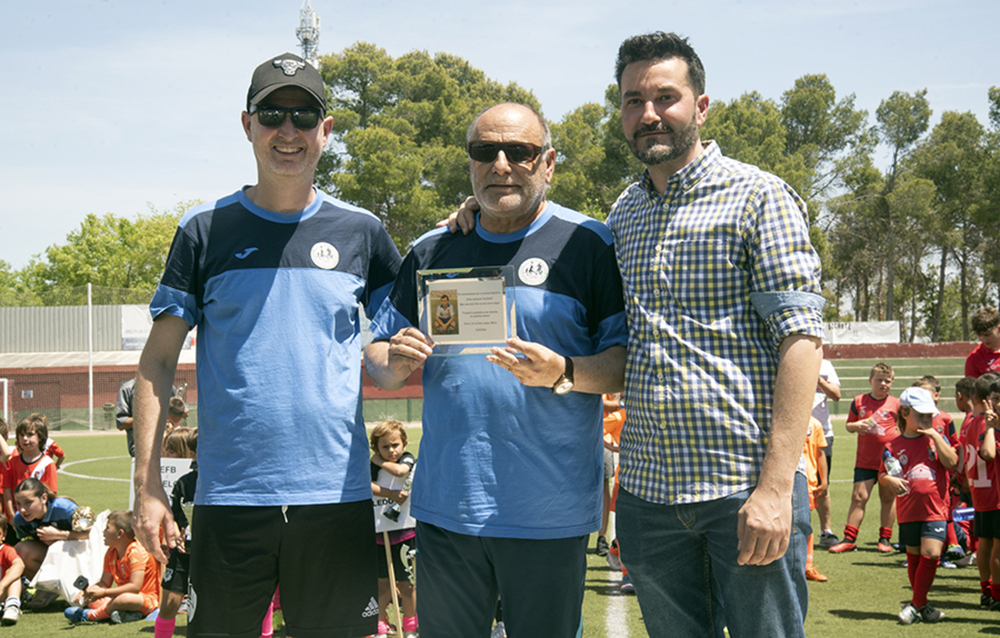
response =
{"points": [[862, 598]]}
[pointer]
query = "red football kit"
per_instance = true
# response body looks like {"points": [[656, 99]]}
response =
{"points": [[43, 469], [981, 474], [928, 497], [883, 413], [982, 360]]}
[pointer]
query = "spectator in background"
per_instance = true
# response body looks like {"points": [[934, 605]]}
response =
{"points": [[827, 388], [986, 356], [123, 413]]}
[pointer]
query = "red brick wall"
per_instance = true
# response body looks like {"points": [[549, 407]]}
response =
{"points": [[898, 350]]}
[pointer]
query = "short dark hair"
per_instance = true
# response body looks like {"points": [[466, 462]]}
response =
{"points": [[966, 385], [985, 319], [122, 520], [661, 46], [983, 384]]}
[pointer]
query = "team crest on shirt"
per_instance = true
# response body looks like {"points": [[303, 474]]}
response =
{"points": [[324, 255], [903, 459], [921, 472], [533, 271]]}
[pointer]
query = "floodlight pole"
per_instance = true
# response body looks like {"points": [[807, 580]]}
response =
{"points": [[90, 354]]}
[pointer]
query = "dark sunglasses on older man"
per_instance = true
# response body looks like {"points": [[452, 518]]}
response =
{"points": [[273, 116], [517, 152]]}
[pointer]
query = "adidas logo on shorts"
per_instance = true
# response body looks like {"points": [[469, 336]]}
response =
{"points": [[371, 609], [192, 602]]}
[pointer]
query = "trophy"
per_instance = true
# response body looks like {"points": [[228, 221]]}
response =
{"points": [[83, 519]]}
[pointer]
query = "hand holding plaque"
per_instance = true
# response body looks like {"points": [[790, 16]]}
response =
{"points": [[467, 310]]}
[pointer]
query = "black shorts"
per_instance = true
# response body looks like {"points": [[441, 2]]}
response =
{"points": [[175, 574], [911, 533], [986, 524], [400, 564], [828, 451], [862, 474], [460, 577], [322, 555]]}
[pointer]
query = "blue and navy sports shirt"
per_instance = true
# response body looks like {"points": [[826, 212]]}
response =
{"points": [[498, 458], [276, 301]]}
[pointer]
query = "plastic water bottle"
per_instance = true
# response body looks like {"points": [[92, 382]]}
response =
{"points": [[963, 514], [893, 468]]}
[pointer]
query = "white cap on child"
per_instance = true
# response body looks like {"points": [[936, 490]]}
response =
{"points": [[919, 399]]}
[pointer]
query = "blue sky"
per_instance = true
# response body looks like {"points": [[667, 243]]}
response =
{"points": [[113, 106]]}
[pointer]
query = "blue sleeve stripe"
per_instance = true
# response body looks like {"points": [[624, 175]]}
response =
{"points": [[174, 302], [612, 331]]}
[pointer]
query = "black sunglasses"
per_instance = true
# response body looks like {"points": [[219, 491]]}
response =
{"points": [[273, 116], [517, 152]]}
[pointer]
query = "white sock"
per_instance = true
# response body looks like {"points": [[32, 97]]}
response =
{"points": [[12, 601]]}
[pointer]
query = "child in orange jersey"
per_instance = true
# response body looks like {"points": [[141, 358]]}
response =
{"points": [[817, 475], [129, 588]]}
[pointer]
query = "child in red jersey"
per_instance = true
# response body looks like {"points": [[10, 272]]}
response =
{"points": [[945, 426], [49, 446], [6, 452], [923, 457], [11, 568], [873, 418], [30, 461], [965, 388], [129, 588], [979, 452], [986, 356]]}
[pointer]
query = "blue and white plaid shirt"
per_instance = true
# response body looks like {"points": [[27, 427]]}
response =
{"points": [[717, 271]]}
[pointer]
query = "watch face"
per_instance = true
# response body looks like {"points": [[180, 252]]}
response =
{"points": [[564, 386]]}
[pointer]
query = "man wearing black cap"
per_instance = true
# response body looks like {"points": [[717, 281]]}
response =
{"points": [[272, 276]]}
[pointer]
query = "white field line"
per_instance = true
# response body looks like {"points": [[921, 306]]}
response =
{"points": [[62, 470], [616, 614]]}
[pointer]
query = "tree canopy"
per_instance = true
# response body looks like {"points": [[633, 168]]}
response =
{"points": [[906, 217]]}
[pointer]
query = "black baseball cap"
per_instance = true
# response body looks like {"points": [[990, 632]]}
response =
{"points": [[284, 70]]}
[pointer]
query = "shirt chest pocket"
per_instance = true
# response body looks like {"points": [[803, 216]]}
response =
{"points": [[703, 279]]}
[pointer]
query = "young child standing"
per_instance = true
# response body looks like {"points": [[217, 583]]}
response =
{"points": [[31, 460], [986, 356], [11, 569], [6, 492], [181, 443], [979, 451], [129, 588], [921, 488], [817, 475], [873, 418], [389, 455]]}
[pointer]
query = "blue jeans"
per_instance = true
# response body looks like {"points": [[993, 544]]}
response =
{"points": [[682, 560]]}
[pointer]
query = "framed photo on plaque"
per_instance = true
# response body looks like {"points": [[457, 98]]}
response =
{"points": [[467, 310]]}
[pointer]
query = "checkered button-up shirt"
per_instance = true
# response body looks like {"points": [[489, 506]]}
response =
{"points": [[717, 271]]}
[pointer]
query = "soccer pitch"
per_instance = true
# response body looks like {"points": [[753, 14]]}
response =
{"points": [[862, 597]]}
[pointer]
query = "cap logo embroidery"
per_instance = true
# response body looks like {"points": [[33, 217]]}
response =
{"points": [[289, 67]]}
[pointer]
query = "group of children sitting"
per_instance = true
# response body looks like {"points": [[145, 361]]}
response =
{"points": [[926, 469], [35, 518]]}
